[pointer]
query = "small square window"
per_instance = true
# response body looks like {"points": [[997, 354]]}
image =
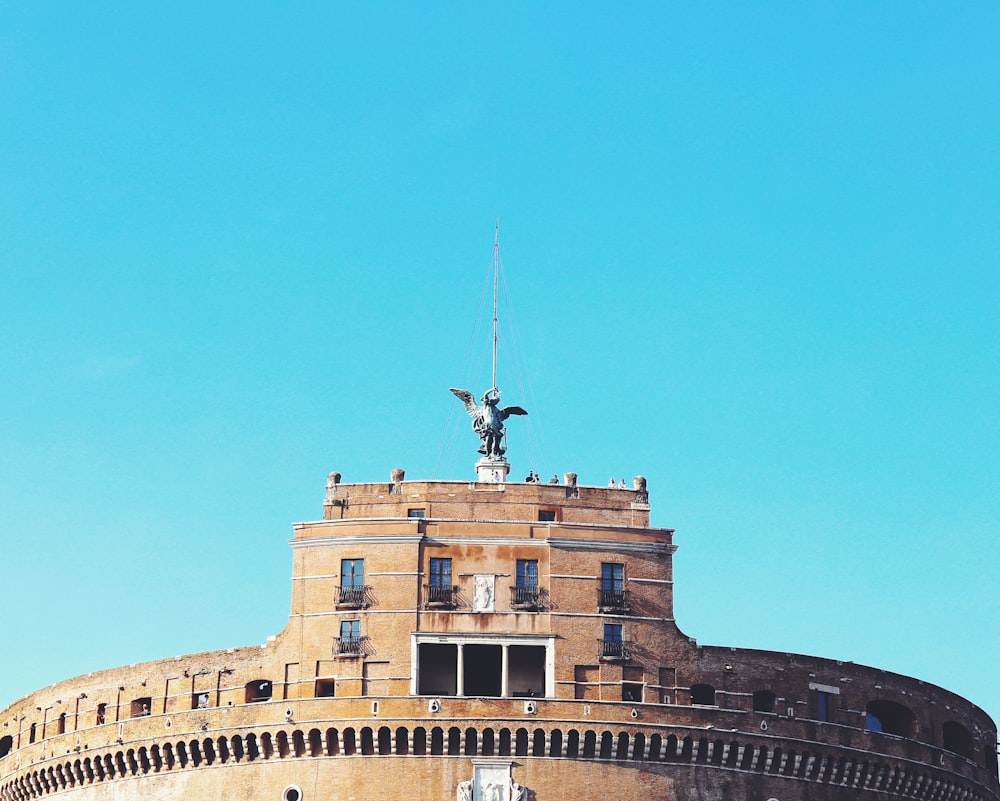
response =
{"points": [[199, 701], [325, 688]]}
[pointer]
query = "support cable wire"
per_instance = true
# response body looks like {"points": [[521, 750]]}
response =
{"points": [[448, 436], [537, 453]]}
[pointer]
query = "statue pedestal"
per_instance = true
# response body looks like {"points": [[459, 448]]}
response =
{"points": [[492, 471]]}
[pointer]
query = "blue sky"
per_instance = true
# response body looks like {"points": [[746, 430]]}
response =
{"points": [[750, 253]]}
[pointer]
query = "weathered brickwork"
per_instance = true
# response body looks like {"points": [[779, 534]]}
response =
{"points": [[444, 632]]}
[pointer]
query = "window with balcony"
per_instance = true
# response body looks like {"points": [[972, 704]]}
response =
{"points": [[351, 593], [612, 646], [440, 591], [349, 643], [612, 593], [524, 594]]}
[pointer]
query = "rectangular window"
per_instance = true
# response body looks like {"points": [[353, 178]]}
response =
{"points": [[199, 701], [824, 706], [325, 688], [414, 512], [524, 593], [440, 573], [546, 515], [527, 575], [612, 577], [140, 707], [352, 572]]}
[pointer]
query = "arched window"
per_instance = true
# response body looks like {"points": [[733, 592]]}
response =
{"points": [[6, 743], [958, 739], [703, 695], [384, 741], [890, 718], [489, 742], [764, 701]]}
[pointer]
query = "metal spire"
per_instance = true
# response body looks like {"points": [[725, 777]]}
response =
{"points": [[496, 273]]}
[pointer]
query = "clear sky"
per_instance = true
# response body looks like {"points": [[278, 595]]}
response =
{"points": [[751, 252]]}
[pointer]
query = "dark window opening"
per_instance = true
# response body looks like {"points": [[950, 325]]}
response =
{"points": [[258, 690], [102, 713], [526, 670], [437, 669], [61, 725], [703, 695], [890, 718], [631, 692], [199, 701], [764, 701], [6, 744], [546, 515], [140, 707], [325, 688], [33, 732], [482, 670], [958, 739], [440, 591], [825, 706], [415, 513], [525, 591]]}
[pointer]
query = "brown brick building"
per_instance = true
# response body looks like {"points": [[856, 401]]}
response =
{"points": [[492, 642]]}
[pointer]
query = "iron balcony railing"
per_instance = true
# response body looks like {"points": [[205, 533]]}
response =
{"points": [[351, 646], [525, 598], [614, 649], [439, 596], [612, 599], [352, 597]]}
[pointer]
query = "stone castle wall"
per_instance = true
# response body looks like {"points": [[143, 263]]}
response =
{"points": [[656, 716]]}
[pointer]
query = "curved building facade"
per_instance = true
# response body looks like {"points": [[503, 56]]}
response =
{"points": [[492, 641]]}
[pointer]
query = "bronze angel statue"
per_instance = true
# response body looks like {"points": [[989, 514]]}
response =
{"points": [[487, 419]]}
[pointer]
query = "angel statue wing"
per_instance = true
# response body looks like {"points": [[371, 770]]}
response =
{"points": [[507, 411], [467, 398]]}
